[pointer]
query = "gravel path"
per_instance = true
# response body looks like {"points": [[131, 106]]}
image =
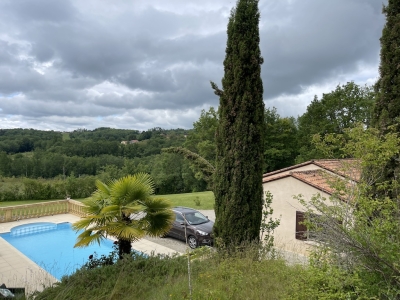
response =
{"points": [[175, 244]]}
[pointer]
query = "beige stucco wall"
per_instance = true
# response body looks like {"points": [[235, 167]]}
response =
{"points": [[285, 207]]}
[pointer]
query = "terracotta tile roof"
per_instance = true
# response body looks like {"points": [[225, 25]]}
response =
{"points": [[347, 168], [276, 176], [325, 172], [288, 168], [317, 178]]}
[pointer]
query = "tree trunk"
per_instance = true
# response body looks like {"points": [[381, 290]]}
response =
{"points": [[124, 247]]}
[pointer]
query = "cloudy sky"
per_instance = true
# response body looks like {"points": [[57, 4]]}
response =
{"points": [[137, 64]]}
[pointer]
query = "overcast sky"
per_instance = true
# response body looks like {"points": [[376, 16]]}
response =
{"points": [[137, 64]]}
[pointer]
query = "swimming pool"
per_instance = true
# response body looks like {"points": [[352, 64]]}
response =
{"points": [[51, 246]]}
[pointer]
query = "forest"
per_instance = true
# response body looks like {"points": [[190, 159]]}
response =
{"points": [[37, 164]]}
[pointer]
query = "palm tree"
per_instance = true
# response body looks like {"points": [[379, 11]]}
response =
{"points": [[123, 209]]}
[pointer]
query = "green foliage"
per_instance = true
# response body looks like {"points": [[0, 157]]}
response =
{"points": [[99, 153], [268, 225], [199, 149], [202, 138], [322, 280], [358, 228], [167, 173], [104, 260], [25, 140], [240, 131], [5, 164], [215, 275], [387, 108], [104, 134], [110, 172], [342, 108], [11, 190], [137, 278], [41, 189], [197, 201], [172, 174], [124, 209], [200, 163], [281, 145]]}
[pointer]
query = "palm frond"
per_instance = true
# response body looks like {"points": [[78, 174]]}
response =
{"points": [[87, 238], [147, 181], [132, 187], [82, 224], [124, 231], [102, 187], [159, 216], [111, 210], [156, 204], [127, 196], [94, 206], [133, 208], [158, 223]]}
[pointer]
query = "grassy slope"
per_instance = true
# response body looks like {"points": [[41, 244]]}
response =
{"points": [[215, 275], [212, 278]]}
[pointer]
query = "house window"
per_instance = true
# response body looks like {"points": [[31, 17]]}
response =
{"points": [[321, 226], [301, 229]]}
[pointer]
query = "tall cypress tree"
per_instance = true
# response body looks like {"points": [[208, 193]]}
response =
{"points": [[239, 136], [387, 106]]}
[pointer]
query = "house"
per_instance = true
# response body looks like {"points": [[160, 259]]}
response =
{"points": [[307, 179], [129, 142]]}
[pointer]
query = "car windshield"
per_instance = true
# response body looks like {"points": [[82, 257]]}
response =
{"points": [[196, 218]]}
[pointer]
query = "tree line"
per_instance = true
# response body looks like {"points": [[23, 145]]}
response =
{"points": [[289, 140], [29, 153]]}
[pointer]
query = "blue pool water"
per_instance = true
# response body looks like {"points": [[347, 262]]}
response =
{"points": [[51, 246]]}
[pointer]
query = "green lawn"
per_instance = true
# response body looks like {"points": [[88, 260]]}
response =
{"points": [[206, 200]]}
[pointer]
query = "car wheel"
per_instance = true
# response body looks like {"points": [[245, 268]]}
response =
{"points": [[192, 242]]}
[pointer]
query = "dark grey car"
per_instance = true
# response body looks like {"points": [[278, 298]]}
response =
{"points": [[198, 227]]}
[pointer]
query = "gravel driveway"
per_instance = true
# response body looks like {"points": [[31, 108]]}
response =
{"points": [[175, 244]]}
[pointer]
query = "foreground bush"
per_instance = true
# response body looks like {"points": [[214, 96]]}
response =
{"points": [[214, 276]]}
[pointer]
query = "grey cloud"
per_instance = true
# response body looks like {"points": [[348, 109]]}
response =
{"points": [[38, 109], [40, 10], [161, 55], [18, 79], [6, 53], [156, 80], [321, 40], [194, 48], [43, 53]]}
